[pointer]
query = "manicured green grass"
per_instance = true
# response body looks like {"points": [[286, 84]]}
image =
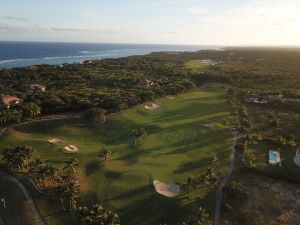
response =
{"points": [[196, 65], [177, 145]]}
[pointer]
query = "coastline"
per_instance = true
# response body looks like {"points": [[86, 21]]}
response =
{"points": [[24, 54]]}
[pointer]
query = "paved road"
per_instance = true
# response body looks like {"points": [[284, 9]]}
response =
{"points": [[37, 217], [224, 181]]}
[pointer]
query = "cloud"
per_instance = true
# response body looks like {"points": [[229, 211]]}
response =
{"points": [[14, 18], [4, 27], [9, 28], [196, 10], [168, 32], [85, 30]]}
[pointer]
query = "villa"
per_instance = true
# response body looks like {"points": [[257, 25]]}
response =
{"points": [[148, 83], [36, 87], [8, 101]]}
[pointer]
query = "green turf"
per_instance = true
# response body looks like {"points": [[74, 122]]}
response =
{"points": [[196, 65], [177, 145]]}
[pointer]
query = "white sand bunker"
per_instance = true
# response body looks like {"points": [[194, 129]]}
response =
{"points": [[55, 140], [210, 125], [171, 97], [168, 190], [153, 106], [72, 148]]}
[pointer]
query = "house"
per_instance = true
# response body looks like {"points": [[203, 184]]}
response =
{"points": [[36, 87], [297, 157], [8, 101], [148, 83], [275, 98], [274, 158]]}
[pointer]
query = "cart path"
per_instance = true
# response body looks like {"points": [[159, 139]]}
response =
{"points": [[224, 181], [37, 217]]}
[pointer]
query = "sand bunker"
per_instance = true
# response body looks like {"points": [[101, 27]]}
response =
{"points": [[153, 106], [171, 97], [71, 148], [210, 125], [55, 140], [168, 190]]}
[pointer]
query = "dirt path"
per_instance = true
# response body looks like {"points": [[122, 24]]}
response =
{"points": [[224, 181], [37, 217], [1, 221]]}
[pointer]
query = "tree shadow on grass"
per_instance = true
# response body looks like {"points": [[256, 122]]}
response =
{"points": [[92, 166], [132, 157]]}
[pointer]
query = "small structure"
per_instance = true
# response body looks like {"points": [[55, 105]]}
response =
{"points": [[148, 83], [36, 87], [274, 158], [275, 98], [8, 101], [297, 157]]}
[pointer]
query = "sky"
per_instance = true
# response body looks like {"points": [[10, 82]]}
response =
{"points": [[193, 22]]}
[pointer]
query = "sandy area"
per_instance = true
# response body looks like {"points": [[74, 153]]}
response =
{"points": [[55, 140], [153, 106], [72, 148], [280, 203], [212, 125], [168, 190], [171, 97]]}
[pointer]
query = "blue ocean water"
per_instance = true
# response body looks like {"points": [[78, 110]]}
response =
{"points": [[21, 54]]}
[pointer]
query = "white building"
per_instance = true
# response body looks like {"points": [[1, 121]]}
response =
{"points": [[297, 157]]}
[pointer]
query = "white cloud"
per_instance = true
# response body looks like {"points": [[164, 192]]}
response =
{"points": [[196, 10]]}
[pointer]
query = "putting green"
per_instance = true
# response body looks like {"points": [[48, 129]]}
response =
{"points": [[177, 145]]}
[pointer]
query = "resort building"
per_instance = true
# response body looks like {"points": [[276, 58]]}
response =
{"points": [[8, 101], [36, 87], [148, 83]]}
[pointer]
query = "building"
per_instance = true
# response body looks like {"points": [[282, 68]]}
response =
{"points": [[297, 157], [148, 83], [8, 101], [36, 87], [275, 98]]}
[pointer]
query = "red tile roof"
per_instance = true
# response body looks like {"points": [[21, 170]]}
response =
{"points": [[9, 100]]}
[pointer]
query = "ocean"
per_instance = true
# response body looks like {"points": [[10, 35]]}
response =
{"points": [[22, 54]]}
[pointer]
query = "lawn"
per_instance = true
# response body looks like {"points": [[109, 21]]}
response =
{"points": [[177, 145], [196, 65]]}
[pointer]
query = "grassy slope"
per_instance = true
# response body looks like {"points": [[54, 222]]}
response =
{"points": [[177, 146]]}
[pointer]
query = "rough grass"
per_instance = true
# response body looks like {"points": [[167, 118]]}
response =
{"points": [[177, 145]]}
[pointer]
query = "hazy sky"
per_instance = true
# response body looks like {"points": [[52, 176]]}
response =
{"points": [[217, 22]]}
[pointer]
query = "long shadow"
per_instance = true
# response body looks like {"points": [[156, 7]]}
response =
{"points": [[92, 167]]}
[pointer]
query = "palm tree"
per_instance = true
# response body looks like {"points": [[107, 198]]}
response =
{"points": [[105, 153], [3, 117], [31, 110], [96, 114], [189, 182], [17, 158], [71, 163], [138, 135]]}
